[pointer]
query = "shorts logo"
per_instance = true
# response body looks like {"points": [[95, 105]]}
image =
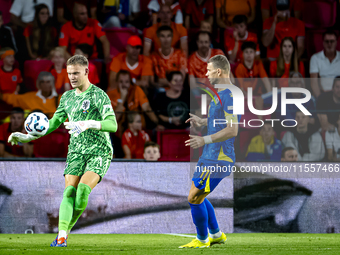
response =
{"points": [[85, 106], [66, 165], [62, 35], [14, 78]]}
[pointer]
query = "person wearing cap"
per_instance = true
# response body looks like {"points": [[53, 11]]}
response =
{"points": [[280, 26], [45, 99], [138, 65]]}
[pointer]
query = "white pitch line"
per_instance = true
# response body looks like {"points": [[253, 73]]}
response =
{"points": [[174, 234]]}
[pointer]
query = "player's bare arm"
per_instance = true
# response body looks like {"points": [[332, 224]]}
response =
{"points": [[223, 135], [196, 121]]}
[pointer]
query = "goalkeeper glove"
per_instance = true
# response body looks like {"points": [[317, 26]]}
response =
{"points": [[78, 127], [18, 137]]}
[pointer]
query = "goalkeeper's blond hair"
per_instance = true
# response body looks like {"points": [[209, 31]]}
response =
{"points": [[77, 60]]}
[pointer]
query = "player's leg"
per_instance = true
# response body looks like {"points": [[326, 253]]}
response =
{"points": [[66, 206], [75, 166], [200, 217], [215, 234], [88, 181], [199, 211], [202, 211], [96, 168]]}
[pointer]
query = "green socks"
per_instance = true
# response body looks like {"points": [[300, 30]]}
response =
{"points": [[83, 192], [66, 207]]}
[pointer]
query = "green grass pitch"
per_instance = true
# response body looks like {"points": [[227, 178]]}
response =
{"points": [[162, 244]]}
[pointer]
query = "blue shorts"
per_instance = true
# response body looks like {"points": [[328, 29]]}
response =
{"points": [[209, 173]]}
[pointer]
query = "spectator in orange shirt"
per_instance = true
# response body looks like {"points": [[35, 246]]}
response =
{"points": [[280, 26], [286, 63], [129, 97], [46, 99], [179, 33], [41, 36], [167, 59], [151, 151], [16, 124], [86, 51], [227, 10], [83, 30], [197, 64], [58, 70], [196, 11], [10, 77], [268, 8], [248, 72], [233, 42], [134, 137], [139, 66]]}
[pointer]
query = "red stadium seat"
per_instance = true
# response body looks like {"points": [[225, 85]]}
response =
{"points": [[319, 13], [118, 38], [99, 65], [172, 146], [32, 68], [53, 145]]}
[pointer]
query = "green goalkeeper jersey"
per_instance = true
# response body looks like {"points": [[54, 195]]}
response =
{"points": [[93, 104]]}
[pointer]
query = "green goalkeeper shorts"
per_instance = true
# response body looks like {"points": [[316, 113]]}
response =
{"points": [[79, 164]]}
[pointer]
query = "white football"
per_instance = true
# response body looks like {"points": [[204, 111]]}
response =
{"points": [[36, 124]]}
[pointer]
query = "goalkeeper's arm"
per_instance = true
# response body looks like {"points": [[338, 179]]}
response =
{"points": [[107, 125], [54, 123], [18, 137]]}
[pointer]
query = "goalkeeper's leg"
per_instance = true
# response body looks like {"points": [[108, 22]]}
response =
{"points": [[88, 181], [66, 208], [96, 168]]}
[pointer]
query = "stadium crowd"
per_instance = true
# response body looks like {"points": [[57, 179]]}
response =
{"points": [[150, 56]]}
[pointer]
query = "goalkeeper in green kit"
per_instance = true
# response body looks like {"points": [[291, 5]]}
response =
{"points": [[91, 117]]}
